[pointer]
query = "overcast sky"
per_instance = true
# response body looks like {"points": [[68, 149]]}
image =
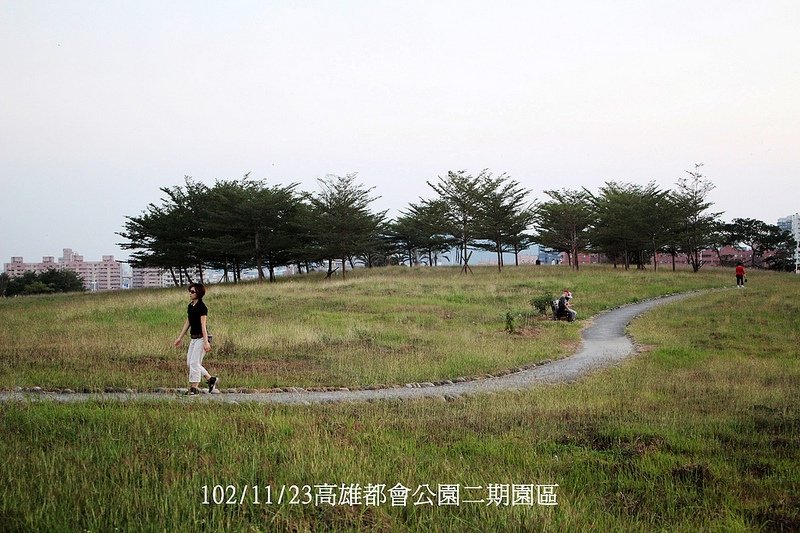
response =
{"points": [[104, 102]]}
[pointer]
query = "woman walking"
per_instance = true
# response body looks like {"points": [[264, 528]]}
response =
{"points": [[196, 325]]}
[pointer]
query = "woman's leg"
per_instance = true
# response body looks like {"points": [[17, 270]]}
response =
{"points": [[194, 360]]}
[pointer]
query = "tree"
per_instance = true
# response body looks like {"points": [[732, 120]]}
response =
{"points": [[62, 280], [517, 238], [50, 281], [629, 224], [342, 223], [504, 213], [4, 280], [563, 222], [405, 233], [168, 235], [462, 194], [431, 218], [782, 247], [696, 231], [226, 238], [759, 236], [264, 219]]}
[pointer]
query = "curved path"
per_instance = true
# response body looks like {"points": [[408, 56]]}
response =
{"points": [[604, 343]]}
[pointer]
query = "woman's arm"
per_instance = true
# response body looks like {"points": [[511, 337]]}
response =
{"points": [[179, 340], [206, 344]]}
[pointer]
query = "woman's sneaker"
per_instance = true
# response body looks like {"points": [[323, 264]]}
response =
{"points": [[212, 383], [193, 391]]}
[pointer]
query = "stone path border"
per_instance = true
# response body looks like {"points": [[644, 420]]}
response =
{"points": [[604, 343]]}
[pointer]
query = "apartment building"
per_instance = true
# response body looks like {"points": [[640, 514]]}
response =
{"points": [[792, 225], [103, 275], [148, 277]]}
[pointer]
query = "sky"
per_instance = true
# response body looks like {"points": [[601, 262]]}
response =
{"points": [[102, 103]]}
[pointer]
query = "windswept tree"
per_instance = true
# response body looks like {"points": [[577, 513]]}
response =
{"points": [[504, 213], [342, 224], [233, 225], [167, 235], [418, 233], [563, 222], [431, 219], [269, 217], [783, 247], [757, 235], [462, 194], [698, 226], [225, 238], [630, 226], [377, 247]]}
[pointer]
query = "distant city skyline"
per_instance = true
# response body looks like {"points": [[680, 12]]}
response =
{"points": [[106, 102]]}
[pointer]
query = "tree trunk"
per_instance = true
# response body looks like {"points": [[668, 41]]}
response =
{"points": [[259, 260], [465, 256], [655, 256]]}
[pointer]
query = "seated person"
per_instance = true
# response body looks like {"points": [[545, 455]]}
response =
{"points": [[565, 307]]}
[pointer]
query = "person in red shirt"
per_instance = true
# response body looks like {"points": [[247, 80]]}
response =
{"points": [[740, 279]]}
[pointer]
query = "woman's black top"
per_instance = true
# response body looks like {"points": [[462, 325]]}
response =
{"points": [[195, 312]]}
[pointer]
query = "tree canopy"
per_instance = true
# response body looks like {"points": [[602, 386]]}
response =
{"points": [[246, 223]]}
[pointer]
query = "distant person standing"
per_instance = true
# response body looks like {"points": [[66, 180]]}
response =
{"points": [[196, 325], [740, 276]]}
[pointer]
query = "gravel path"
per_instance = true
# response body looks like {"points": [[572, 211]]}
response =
{"points": [[604, 343]]}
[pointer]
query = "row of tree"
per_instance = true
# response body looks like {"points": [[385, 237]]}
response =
{"points": [[632, 224], [239, 224], [46, 282]]}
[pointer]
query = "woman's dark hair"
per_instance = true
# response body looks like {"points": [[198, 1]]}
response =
{"points": [[199, 289]]}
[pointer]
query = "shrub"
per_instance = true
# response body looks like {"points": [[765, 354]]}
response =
{"points": [[542, 303]]}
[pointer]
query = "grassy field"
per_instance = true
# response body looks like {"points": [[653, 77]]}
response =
{"points": [[701, 432], [380, 326]]}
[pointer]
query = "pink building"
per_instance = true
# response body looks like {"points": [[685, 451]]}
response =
{"points": [[729, 254], [102, 275], [144, 278]]}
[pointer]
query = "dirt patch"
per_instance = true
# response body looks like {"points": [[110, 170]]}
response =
{"points": [[635, 446], [527, 332]]}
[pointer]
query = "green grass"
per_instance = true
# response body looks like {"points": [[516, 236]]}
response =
{"points": [[394, 325], [701, 432]]}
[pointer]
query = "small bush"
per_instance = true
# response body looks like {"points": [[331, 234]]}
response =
{"points": [[510, 322], [516, 321], [542, 303]]}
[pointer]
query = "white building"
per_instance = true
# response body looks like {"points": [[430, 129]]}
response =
{"points": [[792, 225]]}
